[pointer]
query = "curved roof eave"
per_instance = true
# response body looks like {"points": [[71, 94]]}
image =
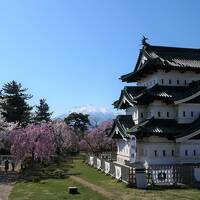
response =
{"points": [[186, 99]]}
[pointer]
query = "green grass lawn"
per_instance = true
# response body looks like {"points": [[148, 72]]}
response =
{"points": [[92, 175], [52, 188], [42, 184]]}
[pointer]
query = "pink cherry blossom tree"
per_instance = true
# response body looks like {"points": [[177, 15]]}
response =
{"points": [[65, 139], [5, 129], [36, 140], [95, 140]]}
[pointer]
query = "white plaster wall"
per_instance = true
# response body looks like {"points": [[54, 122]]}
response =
{"points": [[173, 75], [134, 112], [129, 111], [187, 108], [189, 146], [152, 111], [123, 151], [174, 111], [145, 151], [147, 146], [142, 110], [159, 106], [149, 81]]}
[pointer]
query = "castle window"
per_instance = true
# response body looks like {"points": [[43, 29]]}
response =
{"points": [[192, 114], [141, 115], [194, 152], [167, 114], [177, 82], [183, 113], [185, 82], [159, 114], [155, 153], [170, 82], [162, 81], [173, 153], [186, 152], [163, 153]]}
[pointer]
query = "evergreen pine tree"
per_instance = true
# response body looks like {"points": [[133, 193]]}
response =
{"points": [[42, 112], [79, 122], [15, 106]]}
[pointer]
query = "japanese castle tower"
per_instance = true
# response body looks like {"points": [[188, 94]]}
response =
{"points": [[162, 120]]}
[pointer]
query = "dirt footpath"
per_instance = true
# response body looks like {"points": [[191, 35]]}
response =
{"points": [[5, 189], [96, 188], [7, 180]]}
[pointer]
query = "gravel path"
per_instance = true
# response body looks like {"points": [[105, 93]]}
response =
{"points": [[100, 190]]}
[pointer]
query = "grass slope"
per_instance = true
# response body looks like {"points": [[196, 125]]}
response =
{"points": [[92, 175], [42, 183], [52, 188]]}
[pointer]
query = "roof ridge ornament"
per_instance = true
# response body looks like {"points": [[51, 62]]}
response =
{"points": [[144, 39]]}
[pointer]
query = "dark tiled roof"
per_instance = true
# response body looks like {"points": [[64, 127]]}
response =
{"points": [[194, 126], [161, 127], [166, 58], [129, 92], [164, 128], [167, 94], [123, 123], [193, 88], [182, 57]]}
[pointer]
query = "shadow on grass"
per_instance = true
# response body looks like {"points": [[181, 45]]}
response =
{"points": [[168, 187], [9, 177], [39, 172]]}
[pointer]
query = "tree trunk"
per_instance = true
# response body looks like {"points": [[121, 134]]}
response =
{"points": [[32, 158], [89, 145]]}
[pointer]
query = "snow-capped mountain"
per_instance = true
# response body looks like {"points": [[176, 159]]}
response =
{"points": [[96, 114]]}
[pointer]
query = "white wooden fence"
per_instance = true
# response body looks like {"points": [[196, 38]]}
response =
{"points": [[120, 172], [155, 175]]}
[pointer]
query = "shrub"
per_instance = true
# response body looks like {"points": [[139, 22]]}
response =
{"points": [[36, 179], [59, 173]]}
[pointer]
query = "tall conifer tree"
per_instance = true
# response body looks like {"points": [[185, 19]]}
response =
{"points": [[42, 112], [15, 106]]}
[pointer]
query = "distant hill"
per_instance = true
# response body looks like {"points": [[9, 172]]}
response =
{"points": [[96, 114]]}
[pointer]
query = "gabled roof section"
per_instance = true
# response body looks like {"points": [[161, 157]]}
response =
{"points": [[124, 126], [151, 58], [121, 125], [160, 127], [168, 128], [167, 94], [127, 95], [133, 95]]}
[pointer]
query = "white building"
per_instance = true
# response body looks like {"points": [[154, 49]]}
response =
{"points": [[162, 108]]}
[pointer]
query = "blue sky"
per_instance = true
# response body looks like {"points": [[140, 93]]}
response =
{"points": [[72, 52]]}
